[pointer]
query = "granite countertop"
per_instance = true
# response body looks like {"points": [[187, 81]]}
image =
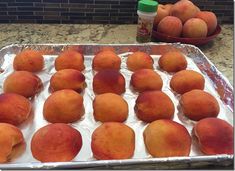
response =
{"points": [[219, 51]]}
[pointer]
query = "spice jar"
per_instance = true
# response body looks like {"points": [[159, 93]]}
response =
{"points": [[147, 10]]}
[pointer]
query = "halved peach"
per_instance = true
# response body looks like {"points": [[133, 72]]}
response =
{"points": [[68, 79], [70, 59], [10, 136], [113, 140], [215, 136], [28, 60], [109, 81], [166, 138], [106, 59], [23, 83], [64, 106], [154, 105], [14, 108], [56, 143]]}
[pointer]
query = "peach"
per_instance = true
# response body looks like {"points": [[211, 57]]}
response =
{"points": [[28, 60], [172, 61], [109, 81], [64, 106], [171, 26], [215, 136], [106, 59], [70, 59], [198, 104], [210, 19], [154, 105], [113, 140], [10, 136], [23, 83], [68, 79], [166, 138], [146, 79], [109, 107], [184, 10], [56, 143], [195, 28], [14, 108], [162, 11], [139, 60], [187, 80]]}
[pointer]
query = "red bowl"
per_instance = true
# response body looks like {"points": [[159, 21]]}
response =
{"points": [[160, 37]]}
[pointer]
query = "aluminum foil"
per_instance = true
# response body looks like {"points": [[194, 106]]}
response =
{"points": [[215, 83]]}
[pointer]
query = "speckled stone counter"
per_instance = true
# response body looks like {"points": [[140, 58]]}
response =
{"points": [[219, 51]]}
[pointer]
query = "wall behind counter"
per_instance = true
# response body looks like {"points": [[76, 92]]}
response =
{"points": [[93, 11]]}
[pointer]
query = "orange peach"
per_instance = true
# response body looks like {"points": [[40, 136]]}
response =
{"points": [[68, 79], [14, 108], [184, 10], [113, 140], [56, 143], [162, 12], [187, 80], [215, 136], [64, 106], [28, 60], [109, 81], [70, 59], [210, 19], [172, 61], [106, 59], [195, 28], [171, 26], [166, 138], [23, 83], [139, 60], [154, 105], [146, 79], [109, 107], [198, 104], [10, 136]]}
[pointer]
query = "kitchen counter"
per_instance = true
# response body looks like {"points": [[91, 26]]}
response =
{"points": [[219, 51]]}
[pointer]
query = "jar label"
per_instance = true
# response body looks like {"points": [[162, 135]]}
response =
{"points": [[144, 27]]}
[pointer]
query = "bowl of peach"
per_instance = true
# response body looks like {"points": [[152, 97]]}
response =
{"points": [[184, 22]]}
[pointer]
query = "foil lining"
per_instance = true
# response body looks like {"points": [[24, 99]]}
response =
{"points": [[215, 83]]}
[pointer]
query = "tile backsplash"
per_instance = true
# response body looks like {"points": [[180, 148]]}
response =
{"points": [[93, 11]]}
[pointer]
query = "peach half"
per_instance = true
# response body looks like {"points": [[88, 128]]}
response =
{"points": [[64, 106], [110, 107], [172, 61], [166, 138], [215, 136], [187, 80], [14, 108], [28, 60], [139, 60], [113, 140], [23, 83], [146, 79], [198, 104], [68, 79], [56, 142], [10, 136], [109, 81], [70, 59], [154, 105], [106, 59]]}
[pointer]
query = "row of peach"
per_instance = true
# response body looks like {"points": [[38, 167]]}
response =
{"points": [[150, 106], [60, 142]]}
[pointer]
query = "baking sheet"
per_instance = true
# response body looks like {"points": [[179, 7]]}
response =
{"points": [[87, 124]]}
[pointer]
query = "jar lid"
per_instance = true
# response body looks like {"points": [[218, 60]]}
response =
{"points": [[147, 5]]}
